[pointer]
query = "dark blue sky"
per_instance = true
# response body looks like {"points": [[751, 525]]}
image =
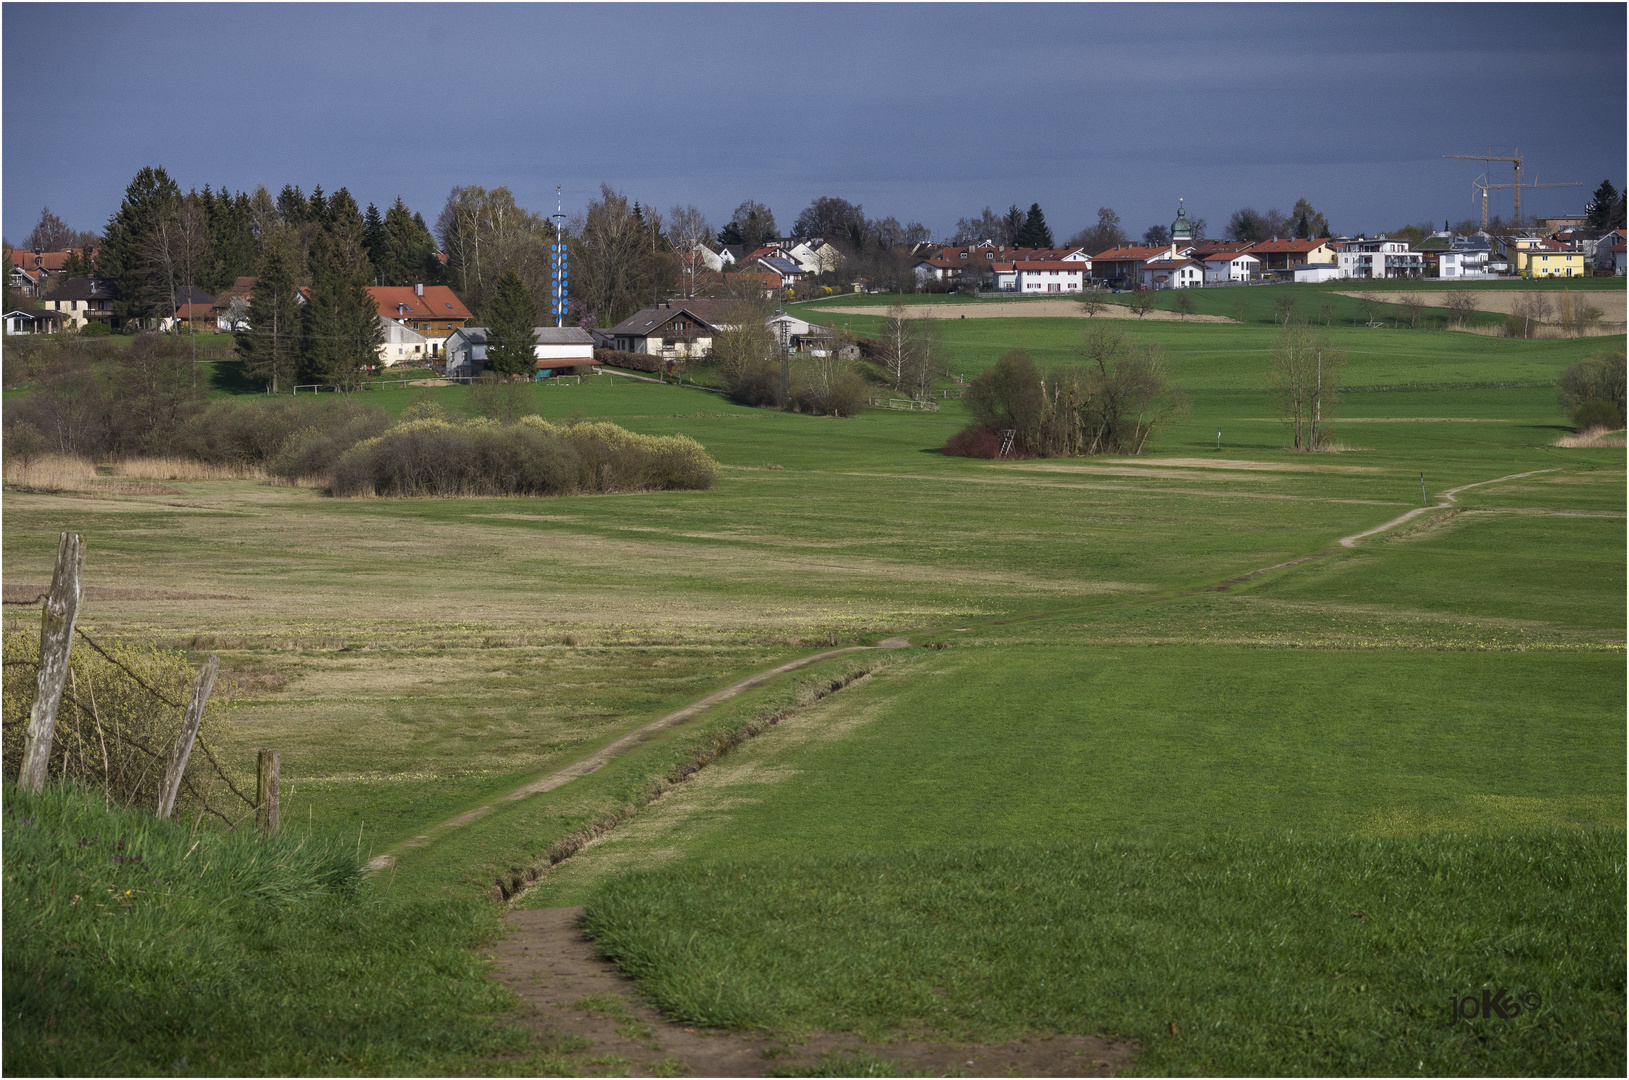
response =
{"points": [[920, 111]]}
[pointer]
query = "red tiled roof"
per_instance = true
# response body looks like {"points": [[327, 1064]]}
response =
{"points": [[1169, 264], [1228, 256], [1133, 253], [1007, 254], [1291, 246], [402, 302], [194, 311], [47, 260], [1041, 264]]}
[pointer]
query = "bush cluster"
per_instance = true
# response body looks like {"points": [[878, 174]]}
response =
{"points": [[111, 733], [435, 457], [1592, 391], [1112, 403], [823, 388]]}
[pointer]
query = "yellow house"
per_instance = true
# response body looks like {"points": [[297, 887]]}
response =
{"points": [[1550, 263], [1537, 259]]}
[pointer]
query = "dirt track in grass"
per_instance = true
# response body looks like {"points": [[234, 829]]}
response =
{"points": [[1024, 309], [573, 999]]}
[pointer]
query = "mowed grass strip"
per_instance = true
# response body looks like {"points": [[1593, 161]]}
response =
{"points": [[1243, 955]]}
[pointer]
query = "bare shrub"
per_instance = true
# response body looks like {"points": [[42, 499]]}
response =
{"points": [[111, 732], [1460, 303], [531, 457], [1603, 438], [498, 398]]}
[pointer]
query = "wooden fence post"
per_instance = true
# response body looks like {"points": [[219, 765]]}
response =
{"points": [[189, 732], [56, 639], [266, 790]]}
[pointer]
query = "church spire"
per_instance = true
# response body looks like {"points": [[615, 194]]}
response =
{"points": [[1181, 231]]}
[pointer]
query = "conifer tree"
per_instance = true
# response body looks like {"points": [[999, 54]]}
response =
{"points": [[341, 333], [1601, 206], [373, 240], [1034, 233], [151, 197], [270, 347], [511, 340]]}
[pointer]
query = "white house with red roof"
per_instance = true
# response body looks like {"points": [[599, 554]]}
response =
{"points": [[1230, 266], [433, 311], [1178, 273], [1040, 276]]}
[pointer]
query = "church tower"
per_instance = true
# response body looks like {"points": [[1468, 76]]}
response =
{"points": [[1181, 231]]}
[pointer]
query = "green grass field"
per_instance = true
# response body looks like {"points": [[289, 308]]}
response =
{"points": [[1136, 788]]}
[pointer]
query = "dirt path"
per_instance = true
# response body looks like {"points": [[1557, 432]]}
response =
{"points": [[599, 1024], [579, 1004], [1020, 309], [1449, 497], [600, 758]]}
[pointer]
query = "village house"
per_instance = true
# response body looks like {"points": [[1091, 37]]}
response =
{"points": [[1120, 266], [1537, 256], [1286, 255], [431, 310], [85, 300], [1223, 266], [1609, 252], [1041, 276], [675, 329], [34, 273], [1177, 273]]}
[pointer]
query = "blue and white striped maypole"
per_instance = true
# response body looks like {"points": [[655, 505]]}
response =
{"points": [[557, 296]]}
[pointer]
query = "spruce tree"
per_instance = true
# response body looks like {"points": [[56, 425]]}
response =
{"points": [[270, 347], [341, 332], [1601, 206], [151, 197], [1034, 232], [373, 240], [511, 341]]}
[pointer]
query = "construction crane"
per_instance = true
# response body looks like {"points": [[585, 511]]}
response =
{"points": [[1515, 159], [1482, 183]]}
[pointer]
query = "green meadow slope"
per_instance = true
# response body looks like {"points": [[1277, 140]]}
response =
{"points": [[1289, 813]]}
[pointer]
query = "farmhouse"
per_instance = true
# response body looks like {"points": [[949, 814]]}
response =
{"points": [[558, 350], [674, 328], [432, 310], [1286, 255], [1040, 276]]}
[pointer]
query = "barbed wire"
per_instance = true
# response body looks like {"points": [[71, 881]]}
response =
{"points": [[130, 740]]}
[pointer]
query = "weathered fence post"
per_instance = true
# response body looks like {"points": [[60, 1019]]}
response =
{"points": [[189, 732], [56, 639], [266, 790]]}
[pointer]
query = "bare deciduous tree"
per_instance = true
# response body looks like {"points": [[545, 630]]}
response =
{"points": [[1410, 306], [898, 344], [1091, 300], [1460, 303], [1303, 380], [1529, 311], [688, 232], [1142, 302]]}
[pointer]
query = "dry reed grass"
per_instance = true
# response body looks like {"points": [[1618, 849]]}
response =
{"points": [[53, 472], [179, 468], [1593, 437]]}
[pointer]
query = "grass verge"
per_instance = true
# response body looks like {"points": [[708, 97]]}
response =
{"points": [[134, 947], [1243, 955]]}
